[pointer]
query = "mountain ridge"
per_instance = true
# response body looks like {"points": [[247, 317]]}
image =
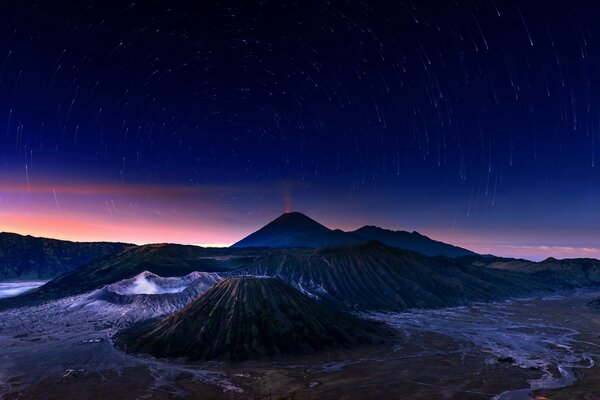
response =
{"points": [[296, 230], [374, 276], [161, 259], [31, 257]]}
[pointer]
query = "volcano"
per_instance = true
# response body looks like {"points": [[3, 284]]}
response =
{"points": [[166, 260], [296, 230], [249, 317]]}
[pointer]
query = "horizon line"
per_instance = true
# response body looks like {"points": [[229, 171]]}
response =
{"points": [[228, 245]]}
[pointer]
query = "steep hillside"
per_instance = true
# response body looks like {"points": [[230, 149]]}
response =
{"points": [[374, 276], [147, 295], [28, 257], [249, 317], [161, 259]]}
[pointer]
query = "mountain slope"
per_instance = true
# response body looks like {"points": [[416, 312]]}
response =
{"points": [[148, 295], [28, 257], [410, 241], [373, 276], [296, 230], [249, 317], [161, 259]]}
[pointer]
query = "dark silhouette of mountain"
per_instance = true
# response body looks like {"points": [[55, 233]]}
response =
{"points": [[364, 276], [28, 257], [410, 241], [249, 317], [160, 259], [296, 230], [374, 276]]}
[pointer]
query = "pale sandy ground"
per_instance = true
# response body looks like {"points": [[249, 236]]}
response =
{"points": [[439, 354]]}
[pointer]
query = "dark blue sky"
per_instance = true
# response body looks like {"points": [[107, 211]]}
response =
{"points": [[473, 121]]}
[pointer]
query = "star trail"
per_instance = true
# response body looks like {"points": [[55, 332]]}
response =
{"points": [[476, 122]]}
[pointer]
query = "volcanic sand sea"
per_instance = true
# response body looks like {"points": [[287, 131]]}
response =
{"points": [[453, 353]]}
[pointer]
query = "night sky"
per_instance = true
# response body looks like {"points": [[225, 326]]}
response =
{"points": [[474, 122]]}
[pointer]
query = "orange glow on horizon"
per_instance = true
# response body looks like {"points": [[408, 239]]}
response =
{"points": [[98, 230], [136, 214], [214, 215]]}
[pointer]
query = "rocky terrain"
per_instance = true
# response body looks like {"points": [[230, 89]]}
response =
{"points": [[59, 350], [309, 322], [367, 276], [375, 276], [148, 295], [162, 259], [250, 317]]}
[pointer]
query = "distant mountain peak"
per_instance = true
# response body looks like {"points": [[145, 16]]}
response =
{"points": [[550, 259], [414, 241], [294, 214], [294, 218], [375, 228], [295, 229]]}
